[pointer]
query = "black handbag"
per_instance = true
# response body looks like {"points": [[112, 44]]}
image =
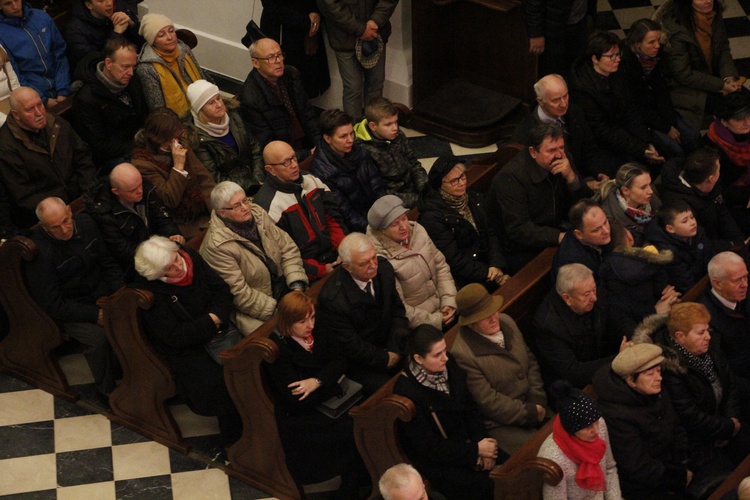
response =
{"points": [[226, 338], [350, 394]]}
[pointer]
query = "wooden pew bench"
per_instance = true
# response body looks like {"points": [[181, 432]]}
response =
{"points": [[375, 419]]}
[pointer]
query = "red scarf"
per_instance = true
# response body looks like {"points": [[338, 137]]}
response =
{"points": [[737, 152], [187, 279], [587, 456]]}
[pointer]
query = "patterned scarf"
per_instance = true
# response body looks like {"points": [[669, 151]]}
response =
{"points": [[641, 216], [648, 63], [704, 364], [737, 152], [461, 205], [437, 381], [587, 456]]}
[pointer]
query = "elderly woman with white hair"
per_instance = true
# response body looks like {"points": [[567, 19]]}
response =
{"points": [[166, 66], [223, 145], [192, 304], [423, 277], [259, 261]]}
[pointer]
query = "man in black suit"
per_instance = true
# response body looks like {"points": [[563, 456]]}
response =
{"points": [[360, 307]]}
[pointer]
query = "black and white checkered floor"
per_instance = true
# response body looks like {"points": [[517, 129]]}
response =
{"points": [[53, 449]]}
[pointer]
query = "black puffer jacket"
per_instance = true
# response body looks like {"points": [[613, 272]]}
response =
{"points": [[398, 165], [470, 252], [267, 118], [646, 440], [634, 280], [121, 228], [710, 209], [706, 420], [610, 110], [105, 122]]}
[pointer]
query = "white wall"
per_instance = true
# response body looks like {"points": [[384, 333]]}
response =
{"points": [[220, 25]]}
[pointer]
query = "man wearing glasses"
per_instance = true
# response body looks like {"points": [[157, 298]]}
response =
{"points": [[603, 95], [273, 101], [302, 206]]}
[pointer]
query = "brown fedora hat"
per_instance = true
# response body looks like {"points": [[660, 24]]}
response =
{"points": [[475, 304]]}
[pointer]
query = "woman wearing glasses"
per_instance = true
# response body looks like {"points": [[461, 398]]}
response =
{"points": [[455, 220], [698, 56], [164, 158], [223, 145], [607, 102], [166, 66], [259, 261]]}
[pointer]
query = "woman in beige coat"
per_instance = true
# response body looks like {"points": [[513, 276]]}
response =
{"points": [[259, 261], [502, 373], [423, 277]]}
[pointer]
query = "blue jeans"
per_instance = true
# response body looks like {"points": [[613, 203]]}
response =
{"points": [[359, 81]]}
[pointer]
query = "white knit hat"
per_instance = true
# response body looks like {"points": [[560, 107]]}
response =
{"points": [[151, 24], [199, 93]]}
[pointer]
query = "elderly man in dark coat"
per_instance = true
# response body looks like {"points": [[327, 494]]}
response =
{"points": [[360, 307]]}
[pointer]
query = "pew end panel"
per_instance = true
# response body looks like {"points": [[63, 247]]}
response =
{"points": [[26, 352], [375, 430], [257, 458], [139, 402]]}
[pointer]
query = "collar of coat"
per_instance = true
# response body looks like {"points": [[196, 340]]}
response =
{"points": [[52, 129], [484, 347]]}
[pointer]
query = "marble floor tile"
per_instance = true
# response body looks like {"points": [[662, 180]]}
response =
{"points": [[410, 132], [76, 369], [65, 409], [192, 425], [23, 440], [185, 463], [18, 475], [462, 151], [22, 407], [82, 433], [211, 484], [144, 488], [427, 163], [123, 435], [84, 466], [93, 491], [11, 384], [140, 460], [740, 47], [603, 6]]}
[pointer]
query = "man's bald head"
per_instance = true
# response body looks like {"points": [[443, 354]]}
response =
{"points": [[552, 95], [27, 109], [56, 218], [276, 155], [126, 183], [260, 51]]}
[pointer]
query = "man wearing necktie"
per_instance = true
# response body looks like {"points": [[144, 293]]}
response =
{"points": [[727, 302], [360, 307]]}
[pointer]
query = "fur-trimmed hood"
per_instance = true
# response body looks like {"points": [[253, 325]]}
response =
{"points": [[662, 257], [653, 330], [634, 265]]}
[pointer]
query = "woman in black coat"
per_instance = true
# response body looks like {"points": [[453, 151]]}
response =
{"points": [[455, 220], [192, 304], [305, 374], [446, 440], [649, 446]]}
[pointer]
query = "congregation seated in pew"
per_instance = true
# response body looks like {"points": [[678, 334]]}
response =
{"points": [[223, 144], [446, 439], [166, 66], [502, 374], [304, 207], [703, 392], [259, 261], [455, 220], [360, 307], [127, 210], [306, 373], [192, 305], [423, 277], [72, 271], [165, 158]]}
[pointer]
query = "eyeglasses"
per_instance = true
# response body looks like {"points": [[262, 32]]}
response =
{"points": [[286, 163], [272, 58], [612, 57], [238, 206], [456, 181]]}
